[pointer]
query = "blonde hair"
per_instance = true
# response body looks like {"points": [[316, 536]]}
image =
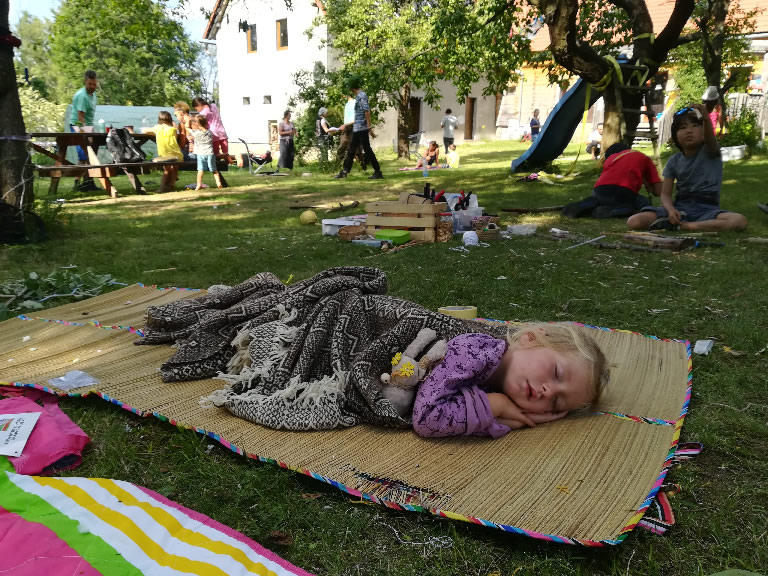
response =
{"points": [[566, 339], [183, 106]]}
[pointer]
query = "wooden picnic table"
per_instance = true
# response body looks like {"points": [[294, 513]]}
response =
{"points": [[91, 142]]}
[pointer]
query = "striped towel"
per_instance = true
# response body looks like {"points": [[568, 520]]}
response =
{"points": [[91, 526]]}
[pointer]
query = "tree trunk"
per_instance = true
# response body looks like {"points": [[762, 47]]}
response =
{"points": [[403, 120], [712, 40], [578, 57], [16, 185]]}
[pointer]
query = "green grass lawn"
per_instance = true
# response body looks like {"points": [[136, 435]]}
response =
{"points": [[223, 236]]}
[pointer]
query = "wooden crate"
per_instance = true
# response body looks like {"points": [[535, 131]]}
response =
{"points": [[419, 219]]}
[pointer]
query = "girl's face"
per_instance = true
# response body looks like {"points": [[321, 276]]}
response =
{"points": [[690, 134], [540, 379]]}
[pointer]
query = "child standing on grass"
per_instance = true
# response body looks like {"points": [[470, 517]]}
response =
{"points": [[535, 125], [204, 151], [486, 387], [697, 173], [166, 138]]}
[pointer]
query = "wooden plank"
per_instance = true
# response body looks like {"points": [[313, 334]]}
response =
{"points": [[406, 208], [391, 221], [50, 154]]}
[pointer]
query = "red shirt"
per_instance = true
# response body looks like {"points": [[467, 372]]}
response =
{"points": [[714, 116], [629, 169]]}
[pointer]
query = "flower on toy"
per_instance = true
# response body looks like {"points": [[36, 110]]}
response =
{"points": [[399, 387], [406, 369]]}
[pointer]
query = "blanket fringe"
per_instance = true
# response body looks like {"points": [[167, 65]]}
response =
{"points": [[239, 369], [304, 394]]}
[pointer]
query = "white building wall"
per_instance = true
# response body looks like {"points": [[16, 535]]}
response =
{"points": [[430, 118], [269, 72], [266, 72]]}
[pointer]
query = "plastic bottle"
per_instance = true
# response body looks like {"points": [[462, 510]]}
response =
{"points": [[425, 170]]}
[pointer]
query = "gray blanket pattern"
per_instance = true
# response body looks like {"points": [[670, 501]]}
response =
{"points": [[302, 357]]}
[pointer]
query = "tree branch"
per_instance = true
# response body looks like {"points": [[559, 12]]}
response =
{"points": [[666, 39], [687, 39], [567, 49]]}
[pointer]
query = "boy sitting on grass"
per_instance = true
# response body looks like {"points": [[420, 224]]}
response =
{"points": [[697, 173]]}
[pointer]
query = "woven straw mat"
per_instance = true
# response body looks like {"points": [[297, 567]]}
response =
{"points": [[582, 478]]}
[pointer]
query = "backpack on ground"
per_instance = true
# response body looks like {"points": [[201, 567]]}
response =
{"points": [[120, 143]]}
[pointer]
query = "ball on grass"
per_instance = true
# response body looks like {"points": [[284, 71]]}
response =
{"points": [[308, 217]]}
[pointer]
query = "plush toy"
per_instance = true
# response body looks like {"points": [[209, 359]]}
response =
{"points": [[400, 386]]}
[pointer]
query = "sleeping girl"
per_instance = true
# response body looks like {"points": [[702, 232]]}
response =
{"points": [[485, 386]]}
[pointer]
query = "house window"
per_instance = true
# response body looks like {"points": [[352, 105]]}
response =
{"points": [[267, 99], [246, 100], [282, 34], [252, 38]]}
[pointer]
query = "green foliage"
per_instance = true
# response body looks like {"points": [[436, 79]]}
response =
{"points": [[34, 52], [688, 69], [742, 130], [489, 40], [386, 44], [40, 115], [317, 89], [20, 296], [691, 84], [142, 56]]}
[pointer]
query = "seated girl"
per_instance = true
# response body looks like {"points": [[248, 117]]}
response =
{"points": [[430, 155], [486, 387], [452, 159]]}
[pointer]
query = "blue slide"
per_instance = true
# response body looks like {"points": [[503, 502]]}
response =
{"points": [[558, 129]]}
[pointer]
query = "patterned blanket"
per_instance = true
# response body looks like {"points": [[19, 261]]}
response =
{"points": [[302, 357]]}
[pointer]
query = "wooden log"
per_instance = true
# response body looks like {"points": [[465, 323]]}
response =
{"points": [[754, 240], [534, 210], [657, 241]]}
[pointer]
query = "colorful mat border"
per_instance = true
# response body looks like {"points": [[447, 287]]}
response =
{"points": [[623, 533]]}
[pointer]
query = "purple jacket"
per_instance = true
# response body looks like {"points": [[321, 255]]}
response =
{"points": [[452, 400]]}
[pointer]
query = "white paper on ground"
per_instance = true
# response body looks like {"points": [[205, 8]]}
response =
{"points": [[73, 379], [15, 430], [703, 347]]}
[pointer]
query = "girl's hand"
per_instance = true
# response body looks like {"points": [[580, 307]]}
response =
{"points": [[505, 411], [539, 418]]}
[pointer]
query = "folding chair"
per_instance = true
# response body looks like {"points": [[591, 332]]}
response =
{"points": [[414, 141], [259, 161]]}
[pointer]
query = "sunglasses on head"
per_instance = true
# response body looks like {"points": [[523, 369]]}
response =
{"points": [[688, 110]]}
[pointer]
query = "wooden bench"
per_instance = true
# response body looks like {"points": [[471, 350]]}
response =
{"points": [[91, 141], [103, 172]]}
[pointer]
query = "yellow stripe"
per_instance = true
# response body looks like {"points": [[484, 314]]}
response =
{"points": [[178, 531], [136, 534]]}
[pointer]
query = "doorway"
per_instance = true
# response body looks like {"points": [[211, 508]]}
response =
{"points": [[469, 119], [414, 120]]}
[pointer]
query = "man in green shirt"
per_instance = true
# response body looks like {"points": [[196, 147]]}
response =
{"points": [[81, 114]]}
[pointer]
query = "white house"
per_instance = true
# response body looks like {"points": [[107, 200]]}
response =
{"points": [[260, 45]]}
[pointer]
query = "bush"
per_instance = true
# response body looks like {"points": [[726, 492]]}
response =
{"points": [[40, 115], [742, 130]]}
